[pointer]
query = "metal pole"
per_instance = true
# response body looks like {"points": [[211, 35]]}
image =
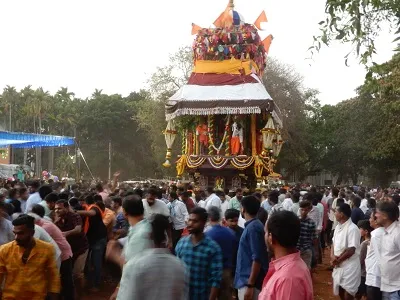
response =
{"points": [[109, 160]]}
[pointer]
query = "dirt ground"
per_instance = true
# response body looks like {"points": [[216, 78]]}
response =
{"points": [[322, 285]]}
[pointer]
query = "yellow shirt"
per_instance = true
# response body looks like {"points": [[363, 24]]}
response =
{"points": [[32, 280]]}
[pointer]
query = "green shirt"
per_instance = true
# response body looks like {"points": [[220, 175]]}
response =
{"points": [[234, 203]]}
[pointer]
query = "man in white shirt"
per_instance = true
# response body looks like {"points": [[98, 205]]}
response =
{"points": [[178, 217], [373, 278], [152, 206], [387, 215], [345, 255], [34, 197], [212, 199]]}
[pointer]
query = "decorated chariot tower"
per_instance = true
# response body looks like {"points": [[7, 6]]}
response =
{"points": [[229, 124]]}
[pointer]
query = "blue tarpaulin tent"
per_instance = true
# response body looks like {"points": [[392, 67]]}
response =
{"points": [[30, 140]]}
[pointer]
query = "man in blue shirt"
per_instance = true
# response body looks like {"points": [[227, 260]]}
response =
{"points": [[225, 238], [252, 259], [203, 258]]}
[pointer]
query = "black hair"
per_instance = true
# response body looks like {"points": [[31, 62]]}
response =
{"points": [[63, 203], [186, 194], [12, 193], [364, 224], [152, 191], [356, 201], [273, 196], [159, 225], [133, 206], [251, 204], [101, 205], [296, 197], [361, 194], [89, 199], [201, 212], [73, 201], [335, 192], [97, 198], [210, 190], [262, 215], [371, 203], [24, 219], [99, 187], [52, 198], [44, 190], [214, 214], [22, 190], [39, 210], [239, 190], [117, 200], [63, 196], [345, 209], [173, 195], [34, 183], [138, 192], [231, 214], [395, 198], [305, 204], [389, 208], [284, 226], [339, 202]]}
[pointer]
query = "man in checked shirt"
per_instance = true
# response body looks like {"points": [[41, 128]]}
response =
{"points": [[203, 258]]}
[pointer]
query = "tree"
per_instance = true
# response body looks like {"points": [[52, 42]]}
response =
{"points": [[358, 22]]}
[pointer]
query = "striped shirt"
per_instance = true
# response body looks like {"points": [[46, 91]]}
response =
{"points": [[308, 233]]}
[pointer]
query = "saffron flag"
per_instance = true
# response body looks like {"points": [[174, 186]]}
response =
{"points": [[260, 19], [267, 43], [225, 19], [195, 29]]}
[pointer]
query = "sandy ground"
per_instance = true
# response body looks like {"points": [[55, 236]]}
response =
{"points": [[322, 285]]}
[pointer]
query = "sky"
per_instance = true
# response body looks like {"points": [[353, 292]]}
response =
{"points": [[116, 45]]}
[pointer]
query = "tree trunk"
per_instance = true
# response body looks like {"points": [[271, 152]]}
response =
{"points": [[51, 159]]}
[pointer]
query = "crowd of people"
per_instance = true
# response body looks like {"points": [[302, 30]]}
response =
{"points": [[176, 242]]}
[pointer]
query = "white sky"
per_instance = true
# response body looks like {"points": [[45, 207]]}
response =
{"points": [[116, 45]]}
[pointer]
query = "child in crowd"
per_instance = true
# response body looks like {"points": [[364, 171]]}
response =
{"points": [[365, 231]]}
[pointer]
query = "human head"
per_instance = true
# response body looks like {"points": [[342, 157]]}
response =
{"points": [[339, 202], [335, 192], [386, 213], [24, 229], [57, 186], [239, 194], [273, 197], [232, 218], [365, 228], [159, 226], [61, 208], [37, 209], [305, 207], [99, 187], [197, 220], [343, 213], [151, 196], [356, 201], [34, 186], [173, 196], [63, 196], [210, 191], [250, 207], [372, 219], [89, 199], [371, 203], [13, 194], [116, 203], [282, 231], [23, 193], [133, 206], [44, 190], [296, 197], [214, 214], [51, 200], [185, 196]]}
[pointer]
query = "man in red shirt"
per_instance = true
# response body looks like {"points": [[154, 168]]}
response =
{"points": [[288, 276]]}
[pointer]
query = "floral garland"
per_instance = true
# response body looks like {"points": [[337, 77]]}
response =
{"points": [[240, 42], [218, 162], [242, 162], [211, 137], [193, 161]]}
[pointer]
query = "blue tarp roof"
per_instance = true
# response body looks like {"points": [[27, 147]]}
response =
{"points": [[31, 140]]}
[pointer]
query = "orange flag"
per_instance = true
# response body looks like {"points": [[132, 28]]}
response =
{"points": [[261, 18], [267, 42], [195, 29], [224, 19]]}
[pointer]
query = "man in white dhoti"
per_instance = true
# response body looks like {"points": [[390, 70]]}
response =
{"points": [[345, 255]]}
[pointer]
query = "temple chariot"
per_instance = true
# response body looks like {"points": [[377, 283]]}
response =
{"points": [[229, 125]]}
